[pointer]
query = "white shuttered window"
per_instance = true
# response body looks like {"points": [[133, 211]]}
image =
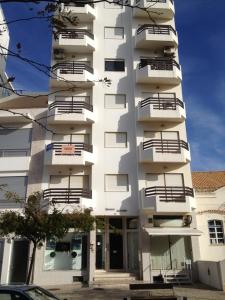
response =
{"points": [[116, 183]]}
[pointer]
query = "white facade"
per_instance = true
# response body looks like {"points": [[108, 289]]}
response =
{"points": [[119, 149]]}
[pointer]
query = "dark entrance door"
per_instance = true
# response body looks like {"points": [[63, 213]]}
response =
{"points": [[100, 261], [19, 262], [115, 251]]}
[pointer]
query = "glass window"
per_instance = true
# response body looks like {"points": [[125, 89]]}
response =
{"points": [[115, 65], [39, 294], [116, 183], [15, 139], [132, 223], [115, 223], [70, 253], [14, 184], [114, 33], [115, 139], [216, 232], [115, 101]]}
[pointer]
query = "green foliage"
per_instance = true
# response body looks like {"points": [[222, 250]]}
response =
{"points": [[37, 224]]}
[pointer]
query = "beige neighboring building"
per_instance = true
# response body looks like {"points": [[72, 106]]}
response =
{"points": [[210, 199]]}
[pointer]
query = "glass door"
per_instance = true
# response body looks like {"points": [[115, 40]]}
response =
{"points": [[100, 251]]}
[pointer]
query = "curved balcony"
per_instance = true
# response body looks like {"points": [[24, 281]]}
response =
{"points": [[68, 154], [158, 70], [160, 108], [71, 197], [155, 36], [83, 11], [164, 151], [159, 9], [70, 112], [165, 199], [75, 40], [72, 72]]}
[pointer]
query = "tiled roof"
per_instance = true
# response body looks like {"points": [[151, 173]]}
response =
{"points": [[209, 181]]}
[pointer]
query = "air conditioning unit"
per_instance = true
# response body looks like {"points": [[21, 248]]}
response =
{"points": [[169, 51], [59, 54], [150, 221], [187, 220]]}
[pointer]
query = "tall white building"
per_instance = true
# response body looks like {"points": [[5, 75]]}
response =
{"points": [[120, 150]]}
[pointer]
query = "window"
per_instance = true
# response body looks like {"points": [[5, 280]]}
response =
{"points": [[113, 5], [115, 101], [15, 142], [115, 139], [116, 183], [69, 253], [117, 65], [15, 184], [114, 33], [216, 232]]}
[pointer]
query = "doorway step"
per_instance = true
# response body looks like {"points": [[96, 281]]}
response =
{"points": [[180, 278], [103, 278]]}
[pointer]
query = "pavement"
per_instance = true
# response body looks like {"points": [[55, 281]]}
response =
{"points": [[77, 292]]}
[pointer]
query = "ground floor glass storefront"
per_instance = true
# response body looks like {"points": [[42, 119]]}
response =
{"points": [[69, 253], [170, 252]]}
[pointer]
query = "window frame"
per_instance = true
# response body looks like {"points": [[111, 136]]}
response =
{"points": [[26, 186], [114, 60], [113, 38], [113, 191], [115, 132], [125, 102], [214, 241]]}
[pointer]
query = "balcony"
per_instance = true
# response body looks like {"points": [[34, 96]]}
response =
{"points": [[70, 112], [159, 70], [159, 9], [165, 199], [160, 108], [156, 36], [68, 154], [65, 74], [76, 40], [21, 116], [73, 197], [164, 151], [84, 12]]}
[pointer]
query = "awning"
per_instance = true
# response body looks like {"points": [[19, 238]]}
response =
{"points": [[183, 231]]}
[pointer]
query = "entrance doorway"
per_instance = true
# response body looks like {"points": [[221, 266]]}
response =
{"points": [[115, 251], [117, 244], [19, 261]]}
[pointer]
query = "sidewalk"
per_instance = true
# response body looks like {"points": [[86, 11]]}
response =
{"points": [[76, 292]]}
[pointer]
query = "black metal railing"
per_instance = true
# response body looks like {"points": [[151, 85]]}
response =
{"points": [[156, 1], [72, 68], [70, 106], [161, 64], [156, 29], [79, 3], [166, 146], [170, 193], [162, 103], [75, 34], [66, 195], [69, 149]]}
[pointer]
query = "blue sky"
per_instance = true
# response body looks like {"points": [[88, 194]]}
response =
{"points": [[201, 30]]}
